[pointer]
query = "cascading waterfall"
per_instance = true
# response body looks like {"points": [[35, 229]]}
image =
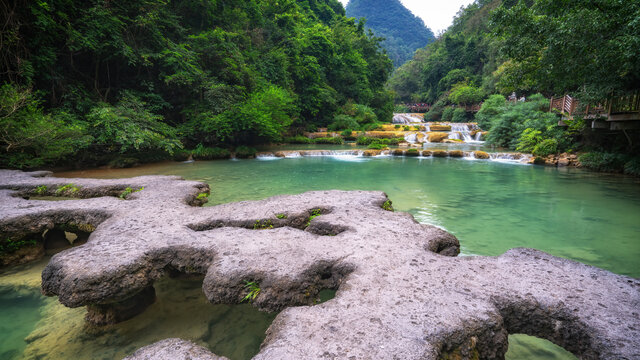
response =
{"points": [[406, 119]]}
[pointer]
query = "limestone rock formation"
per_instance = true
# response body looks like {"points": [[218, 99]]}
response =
{"points": [[398, 295]]}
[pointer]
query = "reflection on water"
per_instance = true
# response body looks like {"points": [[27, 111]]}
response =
{"points": [[491, 207]]}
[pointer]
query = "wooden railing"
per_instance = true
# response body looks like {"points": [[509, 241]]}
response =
{"points": [[611, 108], [625, 104]]}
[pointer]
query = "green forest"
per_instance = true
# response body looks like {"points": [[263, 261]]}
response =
{"points": [[91, 83], [403, 32], [96, 82], [536, 49]]}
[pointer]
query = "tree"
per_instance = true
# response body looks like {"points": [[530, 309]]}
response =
{"points": [[584, 46]]}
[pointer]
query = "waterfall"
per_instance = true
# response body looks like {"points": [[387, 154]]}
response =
{"points": [[510, 157], [406, 119], [411, 138]]}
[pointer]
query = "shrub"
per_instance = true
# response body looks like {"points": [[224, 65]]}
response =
{"points": [[329, 140], [299, 139], [398, 126], [459, 115], [401, 109], [347, 133], [632, 167], [181, 155], [447, 114], [607, 162], [407, 128], [372, 126], [546, 147], [207, 153], [245, 152], [376, 146], [342, 122]]}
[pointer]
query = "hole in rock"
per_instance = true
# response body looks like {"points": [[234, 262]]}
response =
{"points": [[532, 348]]}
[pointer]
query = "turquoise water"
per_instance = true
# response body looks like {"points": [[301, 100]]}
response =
{"points": [[490, 206]]}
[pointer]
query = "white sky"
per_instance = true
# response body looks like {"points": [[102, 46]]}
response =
{"points": [[437, 14]]}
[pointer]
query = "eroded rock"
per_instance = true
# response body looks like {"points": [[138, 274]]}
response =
{"points": [[398, 296]]}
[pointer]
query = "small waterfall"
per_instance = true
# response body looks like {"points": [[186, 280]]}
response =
{"points": [[411, 138], [406, 119], [478, 136], [510, 157], [427, 127]]}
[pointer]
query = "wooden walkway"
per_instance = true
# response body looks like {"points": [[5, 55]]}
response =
{"points": [[613, 110]]}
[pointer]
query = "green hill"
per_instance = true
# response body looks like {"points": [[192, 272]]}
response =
{"points": [[403, 31]]}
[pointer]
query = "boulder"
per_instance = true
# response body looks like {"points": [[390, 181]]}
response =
{"points": [[438, 127], [436, 137], [481, 155], [439, 153], [456, 153]]}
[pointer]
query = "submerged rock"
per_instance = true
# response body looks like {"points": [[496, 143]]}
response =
{"points": [[397, 295]]}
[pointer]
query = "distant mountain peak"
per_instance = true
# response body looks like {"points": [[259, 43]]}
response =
{"points": [[404, 32]]}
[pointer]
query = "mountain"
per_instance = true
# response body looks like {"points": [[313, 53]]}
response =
{"points": [[403, 31]]}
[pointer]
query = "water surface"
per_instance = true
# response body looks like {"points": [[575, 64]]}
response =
{"points": [[490, 206]]}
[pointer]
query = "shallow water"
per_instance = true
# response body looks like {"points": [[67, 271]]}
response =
{"points": [[490, 206]]}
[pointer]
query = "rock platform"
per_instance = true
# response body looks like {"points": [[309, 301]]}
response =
{"points": [[401, 292]]}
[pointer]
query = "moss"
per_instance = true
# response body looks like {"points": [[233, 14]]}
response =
{"points": [[387, 205], [412, 152], [128, 191], [263, 224], [439, 153], [456, 153], [281, 216], [202, 196], [67, 190], [40, 190], [10, 245], [481, 155], [314, 214]]}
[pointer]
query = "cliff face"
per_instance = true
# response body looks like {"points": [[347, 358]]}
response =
{"points": [[404, 32]]}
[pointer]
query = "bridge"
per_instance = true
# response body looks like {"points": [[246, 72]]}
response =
{"points": [[616, 113]]}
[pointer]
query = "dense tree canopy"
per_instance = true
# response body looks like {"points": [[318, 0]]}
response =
{"points": [[155, 75], [404, 32], [588, 47]]}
